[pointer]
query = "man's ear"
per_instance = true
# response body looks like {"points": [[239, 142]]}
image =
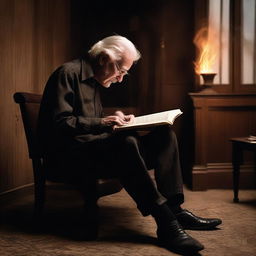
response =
{"points": [[103, 59]]}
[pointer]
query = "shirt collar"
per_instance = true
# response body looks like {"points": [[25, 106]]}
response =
{"points": [[86, 69]]}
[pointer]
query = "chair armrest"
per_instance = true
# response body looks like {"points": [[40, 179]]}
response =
{"points": [[24, 97]]}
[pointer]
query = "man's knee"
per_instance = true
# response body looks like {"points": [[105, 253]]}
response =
{"points": [[167, 133], [172, 134], [131, 142]]}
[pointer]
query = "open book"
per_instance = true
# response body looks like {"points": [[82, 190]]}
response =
{"points": [[156, 119]]}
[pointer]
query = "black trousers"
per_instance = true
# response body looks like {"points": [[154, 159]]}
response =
{"points": [[128, 157]]}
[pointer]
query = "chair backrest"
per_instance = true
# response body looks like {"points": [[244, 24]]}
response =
{"points": [[29, 106]]}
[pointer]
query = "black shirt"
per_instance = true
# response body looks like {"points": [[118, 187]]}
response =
{"points": [[71, 110]]}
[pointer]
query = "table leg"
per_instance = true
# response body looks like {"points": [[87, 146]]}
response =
{"points": [[237, 158]]}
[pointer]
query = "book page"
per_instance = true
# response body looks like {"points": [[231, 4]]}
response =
{"points": [[156, 118], [152, 118], [173, 114]]}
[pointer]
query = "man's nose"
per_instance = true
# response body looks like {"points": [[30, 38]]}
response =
{"points": [[120, 78]]}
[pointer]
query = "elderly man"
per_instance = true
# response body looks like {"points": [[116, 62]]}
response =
{"points": [[79, 140]]}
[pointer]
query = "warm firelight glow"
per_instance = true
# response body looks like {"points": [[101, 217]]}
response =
{"points": [[206, 44]]}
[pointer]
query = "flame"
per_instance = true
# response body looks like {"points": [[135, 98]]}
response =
{"points": [[206, 44]]}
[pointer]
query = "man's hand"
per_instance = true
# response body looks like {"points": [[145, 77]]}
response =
{"points": [[128, 118], [118, 119], [113, 120]]}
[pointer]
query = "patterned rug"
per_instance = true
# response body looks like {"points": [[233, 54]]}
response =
{"points": [[123, 230]]}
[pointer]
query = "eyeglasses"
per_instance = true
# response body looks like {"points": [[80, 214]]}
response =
{"points": [[121, 71]]}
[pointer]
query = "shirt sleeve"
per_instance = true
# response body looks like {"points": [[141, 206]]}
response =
{"points": [[65, 121]]}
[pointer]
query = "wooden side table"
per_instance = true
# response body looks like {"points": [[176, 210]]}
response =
{"points": [[238, 146]]}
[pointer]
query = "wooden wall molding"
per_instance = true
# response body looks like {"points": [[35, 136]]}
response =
{"points": [[220, 176]]}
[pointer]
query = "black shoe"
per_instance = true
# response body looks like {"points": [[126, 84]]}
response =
{"points": [[174, 238], [190, 221]]}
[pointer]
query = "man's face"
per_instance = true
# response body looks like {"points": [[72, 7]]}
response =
{"points": [[111, 71]]}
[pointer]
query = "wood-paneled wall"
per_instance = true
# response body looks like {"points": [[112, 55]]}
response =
{"points": [[39, 35], [166, 73], [218, 118], [35, 37]]}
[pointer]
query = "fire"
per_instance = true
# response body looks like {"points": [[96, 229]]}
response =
{"points": [[206, 44]]}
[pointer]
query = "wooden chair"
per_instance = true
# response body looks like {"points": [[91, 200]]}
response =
{"points": [[29, 106]]}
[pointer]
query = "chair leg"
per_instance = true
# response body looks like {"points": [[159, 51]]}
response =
{"points": [[90, 222], [39, 188]]}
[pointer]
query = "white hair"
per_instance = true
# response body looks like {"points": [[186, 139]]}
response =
{"points": [[116, 47]]}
